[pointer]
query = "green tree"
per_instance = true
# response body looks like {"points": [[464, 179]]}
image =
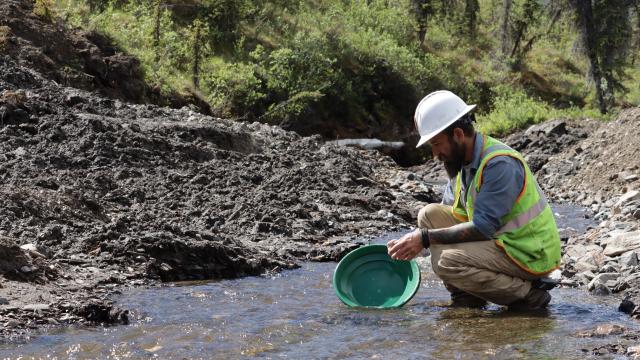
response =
{"points": [[422, 12], [526, 16], [604, 32], [471, 11]]}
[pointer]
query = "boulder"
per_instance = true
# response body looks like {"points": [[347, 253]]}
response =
{"points": [[626, 198], [12, 258], [557, 127], [603, 279], [630, 258], [622, 243]]}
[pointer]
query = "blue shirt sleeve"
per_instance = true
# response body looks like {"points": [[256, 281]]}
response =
{"points": [[447, 196], [503, 180]]}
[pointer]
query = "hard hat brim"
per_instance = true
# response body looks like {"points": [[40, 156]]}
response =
{"points": [[429, 136]]}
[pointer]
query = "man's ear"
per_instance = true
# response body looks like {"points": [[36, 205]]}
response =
{"points": [[458, 135]]}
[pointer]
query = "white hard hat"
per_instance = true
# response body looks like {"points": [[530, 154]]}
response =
{"points": [[436, 112]]}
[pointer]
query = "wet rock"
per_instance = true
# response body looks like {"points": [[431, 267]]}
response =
{"points": [[12, 323], [103, 312], [626, 306], [633, 350], [600, 290], [609, 329], [605, 279]]}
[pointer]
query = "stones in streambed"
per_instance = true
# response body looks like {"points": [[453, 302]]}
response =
{"points": [[602, 283], [603, 330], [620, 243], [628, 259], [100, 312]]}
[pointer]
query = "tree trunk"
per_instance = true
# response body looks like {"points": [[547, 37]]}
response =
{"points": [[156, 32], [584, 17], [471, 10], [446, 7], [506, 12], [635, 53], [422, 10], [196, 55]]}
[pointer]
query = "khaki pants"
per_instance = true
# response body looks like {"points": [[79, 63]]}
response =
{"points": [[478, 268]]}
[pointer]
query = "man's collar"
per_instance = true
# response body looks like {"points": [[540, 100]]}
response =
{"points": [[478, 145]]}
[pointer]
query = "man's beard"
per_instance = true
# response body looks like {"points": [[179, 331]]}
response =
{"points": [[454, 165]]}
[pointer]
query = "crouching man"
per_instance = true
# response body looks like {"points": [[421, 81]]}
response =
{"points": [[494, 235]]}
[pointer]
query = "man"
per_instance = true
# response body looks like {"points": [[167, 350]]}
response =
{"points": [[494, 235]]}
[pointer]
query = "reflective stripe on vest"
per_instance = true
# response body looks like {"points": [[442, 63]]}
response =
{"points": [[524, 218]]}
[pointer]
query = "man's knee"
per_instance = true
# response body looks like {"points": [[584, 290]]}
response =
{"points": [[427, 214], [450, 265]]}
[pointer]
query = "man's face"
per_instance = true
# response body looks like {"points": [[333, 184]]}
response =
{"points": [[450, 150]]}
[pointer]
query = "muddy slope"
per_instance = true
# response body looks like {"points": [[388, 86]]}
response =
{"points": [[78, 58], [97, 193]]}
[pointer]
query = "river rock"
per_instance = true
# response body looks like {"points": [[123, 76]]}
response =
{"points": [[12, 323], [604, 279], [11, 256], [584, 266], [601, 290], [584, 277], [32, 250], [578, 250], [626, 306], [622, 243], [584, 257], [630, 258], [609, 329], [629, 196], [634, 350]]}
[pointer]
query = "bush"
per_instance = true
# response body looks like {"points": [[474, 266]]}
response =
{"points": [[232, 88], [516, 110]]}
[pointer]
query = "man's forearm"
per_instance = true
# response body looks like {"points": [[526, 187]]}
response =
{"points": [[459, 233]]}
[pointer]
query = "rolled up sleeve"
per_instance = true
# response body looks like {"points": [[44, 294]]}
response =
{"points": [[503, 181]]}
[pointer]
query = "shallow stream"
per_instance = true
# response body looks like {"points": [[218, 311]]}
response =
{"points": [[295, 314]]}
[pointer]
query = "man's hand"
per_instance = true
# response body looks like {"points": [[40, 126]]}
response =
{"points": [[407, 247]]}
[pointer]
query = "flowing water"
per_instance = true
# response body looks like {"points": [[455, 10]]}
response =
{"points": [[295, 314]]}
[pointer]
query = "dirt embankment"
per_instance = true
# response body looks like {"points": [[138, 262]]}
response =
{"points": [[99, 194]]}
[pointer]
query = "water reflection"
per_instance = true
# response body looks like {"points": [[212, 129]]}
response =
{"points": [[296, 314]]}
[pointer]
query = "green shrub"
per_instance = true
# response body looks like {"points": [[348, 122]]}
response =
{"points": [[232, 88], [44, 9], [513, 111]]}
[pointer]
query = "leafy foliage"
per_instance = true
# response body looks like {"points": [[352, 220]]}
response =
{"points": [[370, 61]]}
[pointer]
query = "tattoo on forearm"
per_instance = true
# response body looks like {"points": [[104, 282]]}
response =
{"points": [[464, 232]]}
